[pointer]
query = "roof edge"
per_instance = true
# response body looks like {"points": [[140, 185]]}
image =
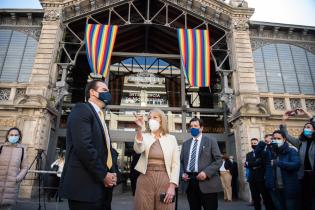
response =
{"points": [[8, 10], [283, 25]]}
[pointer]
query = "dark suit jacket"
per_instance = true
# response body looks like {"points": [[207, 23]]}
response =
{"points": [[228, 165], [85, 163], [209, 161], [256, 167]]}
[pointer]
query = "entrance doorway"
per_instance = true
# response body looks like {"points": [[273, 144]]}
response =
{"points": [[145, 71]]}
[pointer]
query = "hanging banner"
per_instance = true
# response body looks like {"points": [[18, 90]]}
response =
{"points": [[194, 46], [100, 40]]}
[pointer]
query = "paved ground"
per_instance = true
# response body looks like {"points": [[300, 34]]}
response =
{"points": [[125, 202]]}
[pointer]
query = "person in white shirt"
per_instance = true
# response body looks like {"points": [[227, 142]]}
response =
{"points": [[59, 163], [226, 177], [200, 162]]}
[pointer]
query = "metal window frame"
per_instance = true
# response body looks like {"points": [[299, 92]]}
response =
{"points": [[215, 47]]}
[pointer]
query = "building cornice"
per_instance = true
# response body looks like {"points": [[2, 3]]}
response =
{"points": [[282, 25]]}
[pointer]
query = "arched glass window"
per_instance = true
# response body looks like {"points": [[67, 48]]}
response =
{"points": [[17, 54], [284, 68]]}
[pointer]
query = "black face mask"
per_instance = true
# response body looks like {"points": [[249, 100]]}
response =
{"points": [[106, 97], [254, 147]]}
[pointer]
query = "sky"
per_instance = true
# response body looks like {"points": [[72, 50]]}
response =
{"points": [[298, 12]]}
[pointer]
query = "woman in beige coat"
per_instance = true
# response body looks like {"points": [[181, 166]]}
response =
{"points": [[13, 167], [158, 164]]}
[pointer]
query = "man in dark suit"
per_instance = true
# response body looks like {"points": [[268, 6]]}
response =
{"points": [[256, 178], [88, 177], [234, 173], [200, 162]]}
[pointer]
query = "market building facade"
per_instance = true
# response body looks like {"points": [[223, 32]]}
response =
{"points": [[258, 71]]}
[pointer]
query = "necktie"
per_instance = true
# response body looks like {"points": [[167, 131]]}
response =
{"points": [[109, 161], [193, 157]]}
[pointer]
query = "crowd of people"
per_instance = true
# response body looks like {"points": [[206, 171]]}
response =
{"points": [[279, 170]]}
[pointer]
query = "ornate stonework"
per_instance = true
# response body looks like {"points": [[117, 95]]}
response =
{"points": [[295, 103], [240, 24], [279, 104], [5, 94], [20, 92], [52, 14], [7, 122], [295, 131], [310, 104], [264, 101]]}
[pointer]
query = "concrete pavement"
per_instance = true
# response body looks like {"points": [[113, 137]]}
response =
{"points": [[125, 202]]}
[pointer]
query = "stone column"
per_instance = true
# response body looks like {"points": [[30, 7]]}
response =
{"points": [[246, 112], [37, 118], [45, 70]]}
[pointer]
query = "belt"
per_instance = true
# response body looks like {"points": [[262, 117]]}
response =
{"points": [[156, 168]]}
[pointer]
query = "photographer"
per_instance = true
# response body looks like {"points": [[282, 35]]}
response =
{"points": [[306, 146], [281, 166]]}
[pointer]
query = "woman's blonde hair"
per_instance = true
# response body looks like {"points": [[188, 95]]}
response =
{"points": [[163, 125]]}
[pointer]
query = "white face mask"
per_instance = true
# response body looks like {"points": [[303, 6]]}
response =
{"points": [[154, 125]]}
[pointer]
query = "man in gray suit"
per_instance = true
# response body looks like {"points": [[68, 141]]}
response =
{"points": [[200, 162]]}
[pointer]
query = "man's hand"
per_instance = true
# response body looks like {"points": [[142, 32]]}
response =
{"points": [[110, 180], [185, 177], [201, 176]]}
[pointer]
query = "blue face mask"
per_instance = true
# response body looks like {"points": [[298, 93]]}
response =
{"points": [[279, 143], [106, 97], [13, 139], [307, 132], [194, 132]]}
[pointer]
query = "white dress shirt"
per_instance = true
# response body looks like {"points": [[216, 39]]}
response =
{"points": [[222, 168], [96, 108], [198, 139]]}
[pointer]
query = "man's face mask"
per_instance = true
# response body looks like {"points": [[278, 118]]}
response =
{"points": [[106, 97], [194, 132]]}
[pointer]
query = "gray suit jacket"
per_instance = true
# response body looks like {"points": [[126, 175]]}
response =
{"points": [[209, 161]]}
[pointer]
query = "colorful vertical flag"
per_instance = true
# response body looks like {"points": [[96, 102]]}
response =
{"points": [[194, 46], [100, 40]]}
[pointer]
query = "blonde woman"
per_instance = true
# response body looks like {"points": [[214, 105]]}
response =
{"points": [[158, 164]]}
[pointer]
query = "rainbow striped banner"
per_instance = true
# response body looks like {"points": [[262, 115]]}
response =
{"points": [[194, 46], [100, 40]]}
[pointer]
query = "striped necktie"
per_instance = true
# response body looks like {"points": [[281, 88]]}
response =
{"points": [[193, 157], [109, 161]]}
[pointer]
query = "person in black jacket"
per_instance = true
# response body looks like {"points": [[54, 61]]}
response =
{"points": [[88, 175], [256, 180], [234, 173], [282, 164], [134, 174]]}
